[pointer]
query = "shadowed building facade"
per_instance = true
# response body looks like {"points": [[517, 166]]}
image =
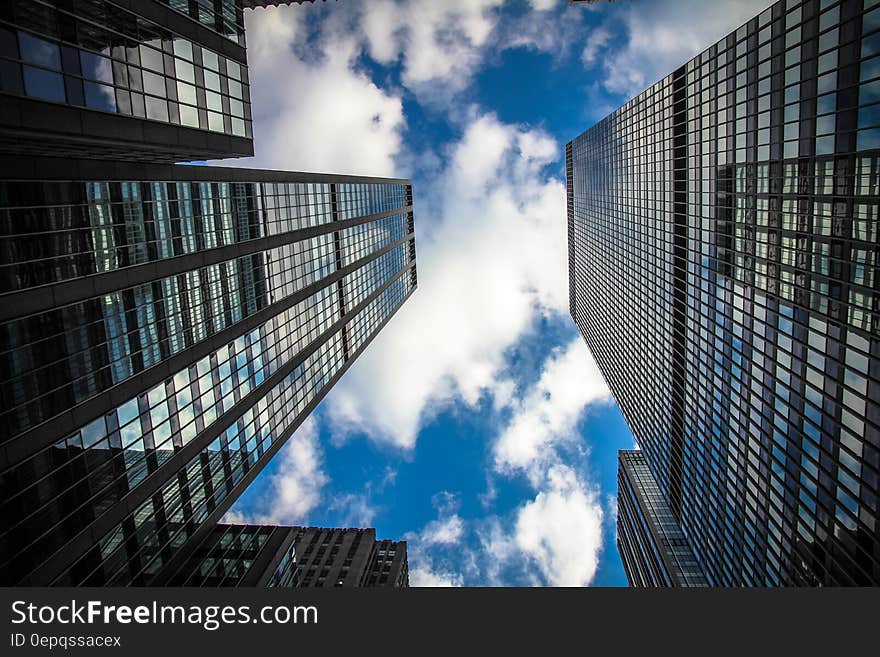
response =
{"points": [[652, 547], [723, 242], [269, 555], [120, 79], [165, 328], [164, 333]]}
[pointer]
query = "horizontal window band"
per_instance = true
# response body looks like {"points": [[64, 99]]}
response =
{"points": [[21, 303], [27, 444]]}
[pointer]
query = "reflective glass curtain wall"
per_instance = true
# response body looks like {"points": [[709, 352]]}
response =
{"points": [[101, 79], [723, 235], [161, 340], [652, 548]]}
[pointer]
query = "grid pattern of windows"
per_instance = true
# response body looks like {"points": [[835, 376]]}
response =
{"points": [[291, 206], [162, 422], [95, 54], [389, 566], [333, 557], [360, 240], [620, 238], [652, 547], [230, 555], [222, 16], [52, 232], [194, 434], [286, 574], [317, 557], [56, 359], [723, 235], [362, 198], [102, 341], [227, 458]]}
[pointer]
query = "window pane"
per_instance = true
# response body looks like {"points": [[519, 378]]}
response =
{"points": [[214, 102], [184, 70], [233, 69], [210, 60], [189, 116], [44, 84], [215, 121], [10, 77], [154, 84], [38, 51], [100, 96], [123, 101], [183, 48], [96, 67], [186, 93], [151, 59], [157, 108]]}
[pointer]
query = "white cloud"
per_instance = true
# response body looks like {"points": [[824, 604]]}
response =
{"points": [[549, 411], [543, 30], [554, 538], [596, 41], [314, 111], [436, 42], [235, 516], [295, 489], [447, 528], [561, 529], [355, 510], [447, 531], [543, 5], [664, 34], [441, 46], [427, 567], [492, 258], [558, 533], [425, 577]]}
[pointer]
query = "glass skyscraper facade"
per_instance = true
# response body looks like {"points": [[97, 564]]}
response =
{"points": [[652, 547], [270, 555], [723, 238], [104, 79], [164, 328], [229, 302]]}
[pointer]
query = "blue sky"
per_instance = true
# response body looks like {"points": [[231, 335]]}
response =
{"points": [[476, 426]]}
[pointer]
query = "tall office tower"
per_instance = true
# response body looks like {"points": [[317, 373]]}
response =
{"points": [[652, 547], [164, 330], [723, 242], [118, 79], [267, 555]]}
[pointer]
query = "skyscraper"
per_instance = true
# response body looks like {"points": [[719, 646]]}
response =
{"points": [[268, 555], [165, 328], [163, 336], [723, 243], [133, 81], [652, 547]]}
